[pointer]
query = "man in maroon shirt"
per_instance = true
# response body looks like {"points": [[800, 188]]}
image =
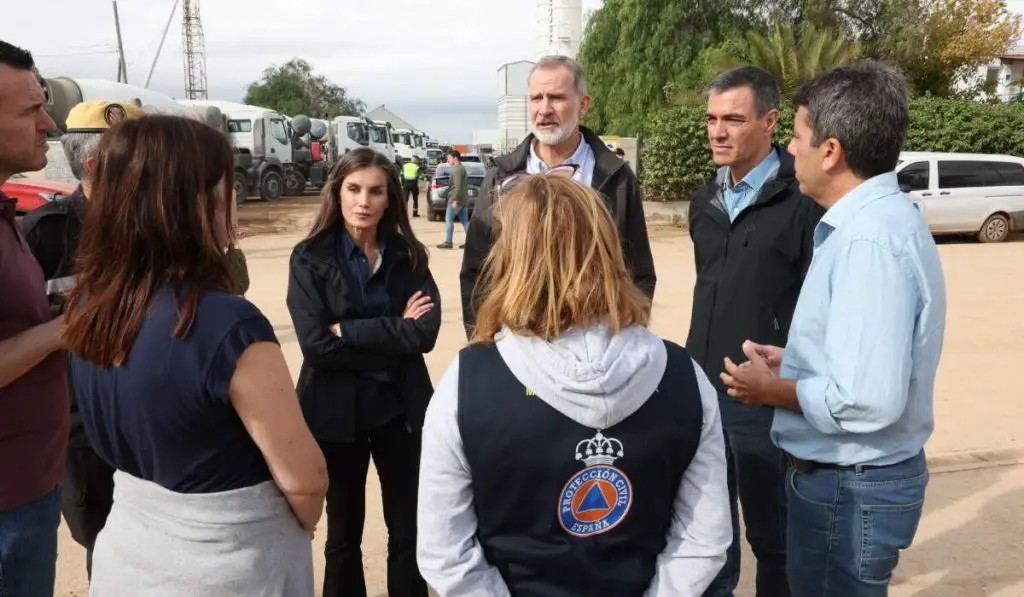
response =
{"points": [[33, 368]]}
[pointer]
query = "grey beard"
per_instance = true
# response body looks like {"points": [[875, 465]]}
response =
{"points": [[558, 136]]}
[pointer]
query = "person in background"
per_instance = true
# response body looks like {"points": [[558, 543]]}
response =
{"points": [[52, 232], [365, 309], [458, 199], [621, 154], [235, 256], [853, 387], [558, 100], [569, 450], [33, 365], [181, 384], [752, 234], [411, 173]]}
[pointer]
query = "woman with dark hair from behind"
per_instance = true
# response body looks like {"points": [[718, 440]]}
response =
{"points": [[365, 309], [569, 450], [182, 385]]}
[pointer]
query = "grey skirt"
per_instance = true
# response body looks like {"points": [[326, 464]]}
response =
{"points": [[159, 543]]}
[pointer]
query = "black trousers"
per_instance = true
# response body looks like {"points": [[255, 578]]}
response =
{"points": [[86, 498], [396, 455], [412, 189]]}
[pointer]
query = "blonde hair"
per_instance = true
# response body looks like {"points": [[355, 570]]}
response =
{"points": [[557, 264]]}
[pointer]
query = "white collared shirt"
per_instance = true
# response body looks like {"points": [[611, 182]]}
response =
{"points": [[582, 157]]}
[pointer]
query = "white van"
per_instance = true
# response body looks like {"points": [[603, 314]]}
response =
{"points": [[966, 193]]}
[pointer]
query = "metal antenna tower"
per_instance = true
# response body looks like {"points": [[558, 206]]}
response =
{"points": [[193, 45]]}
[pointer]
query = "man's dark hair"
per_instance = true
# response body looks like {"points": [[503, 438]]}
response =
{"points": [[455, 154], [15, 57], [760, 81], [620, 152], [864, 106]]}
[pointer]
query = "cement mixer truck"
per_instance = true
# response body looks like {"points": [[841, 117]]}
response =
{"points": [[281, 162]]}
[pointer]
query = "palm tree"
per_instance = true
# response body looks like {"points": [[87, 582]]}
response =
{"points": [[793, 57]]}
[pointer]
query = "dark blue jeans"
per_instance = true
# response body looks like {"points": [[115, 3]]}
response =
{"points": [[28, 548], [757, 480], [847, 527]]}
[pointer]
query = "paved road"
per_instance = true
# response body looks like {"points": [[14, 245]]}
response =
{"points": [[970, 542]]}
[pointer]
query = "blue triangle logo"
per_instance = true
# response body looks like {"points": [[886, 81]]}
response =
{"points": [[594, 500]]}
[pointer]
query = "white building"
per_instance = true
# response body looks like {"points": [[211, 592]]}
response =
{"points": [[559, 27], [513, 104], [1004, 73]]}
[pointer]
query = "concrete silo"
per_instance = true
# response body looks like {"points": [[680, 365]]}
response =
{"points": [[559, 27]]}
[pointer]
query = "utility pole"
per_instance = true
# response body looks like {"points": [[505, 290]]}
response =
{"points": [[193, 45], [122, 68], [160, 48]]}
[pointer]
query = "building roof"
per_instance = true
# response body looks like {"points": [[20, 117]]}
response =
{"points": [[382, 113]]}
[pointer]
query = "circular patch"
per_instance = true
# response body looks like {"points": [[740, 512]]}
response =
{"points": [[113, 114], [594, 501]]}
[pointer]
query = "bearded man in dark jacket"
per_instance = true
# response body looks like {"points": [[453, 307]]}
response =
{"points": [[558, 100]]}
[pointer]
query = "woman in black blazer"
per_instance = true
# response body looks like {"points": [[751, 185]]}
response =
{"points": [[365, 310]]}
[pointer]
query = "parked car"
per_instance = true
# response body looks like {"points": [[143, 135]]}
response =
{"points": [[962, 193], [32, 193], [439, 188]]}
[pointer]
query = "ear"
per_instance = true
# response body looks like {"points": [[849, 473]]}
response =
{"points": [[832, 155], [771, 121], [90, 164], [584, 105]]}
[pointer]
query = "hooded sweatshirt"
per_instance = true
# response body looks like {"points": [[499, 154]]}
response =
{"points": [[597, 379]]}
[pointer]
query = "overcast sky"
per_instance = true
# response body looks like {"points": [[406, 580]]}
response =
{"points": [[434, 63]]}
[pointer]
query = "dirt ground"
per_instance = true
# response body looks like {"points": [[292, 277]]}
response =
{"points": [[970, 542]]}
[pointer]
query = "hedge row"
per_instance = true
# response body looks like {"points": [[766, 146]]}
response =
{"points": [[675, 159]]}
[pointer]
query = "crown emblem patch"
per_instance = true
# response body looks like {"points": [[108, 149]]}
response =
{"points": [[596, 499]]}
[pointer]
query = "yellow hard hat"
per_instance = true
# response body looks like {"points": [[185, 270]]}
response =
{"points": [[98, 115]]}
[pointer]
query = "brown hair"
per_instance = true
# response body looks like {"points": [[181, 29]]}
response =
{"points": [[394, 224], [157, 218], [556, 264]]}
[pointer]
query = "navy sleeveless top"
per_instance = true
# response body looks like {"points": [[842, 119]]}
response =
{"points": [[164, 415]]}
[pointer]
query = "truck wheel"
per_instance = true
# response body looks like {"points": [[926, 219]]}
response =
{"points": [[294, 184], [241, 188], [995, 229], [272, 186]]}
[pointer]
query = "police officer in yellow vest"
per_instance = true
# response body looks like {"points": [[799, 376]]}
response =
{"points": [[411, 172]]}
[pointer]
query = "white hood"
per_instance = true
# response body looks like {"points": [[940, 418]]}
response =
{"points": [[590, 375]]}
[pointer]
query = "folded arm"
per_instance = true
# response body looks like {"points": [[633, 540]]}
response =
{"points": [[868, 344], [701, 529], [397, 335], [449, 555], [322, 348]]}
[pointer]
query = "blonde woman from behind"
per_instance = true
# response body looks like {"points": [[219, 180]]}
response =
{"points": [[569, 450]]}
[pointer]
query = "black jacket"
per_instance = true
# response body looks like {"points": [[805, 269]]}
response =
{"points": [[749, 272], [318, 298], [52, 232], [613, 179]]}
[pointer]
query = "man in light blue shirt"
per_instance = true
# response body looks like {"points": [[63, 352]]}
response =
{"points": [[854, 392]]}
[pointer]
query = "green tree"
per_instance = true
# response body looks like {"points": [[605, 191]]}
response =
{"points": [[794, 56], [293, 88], [634, 49], [959, 37]]}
